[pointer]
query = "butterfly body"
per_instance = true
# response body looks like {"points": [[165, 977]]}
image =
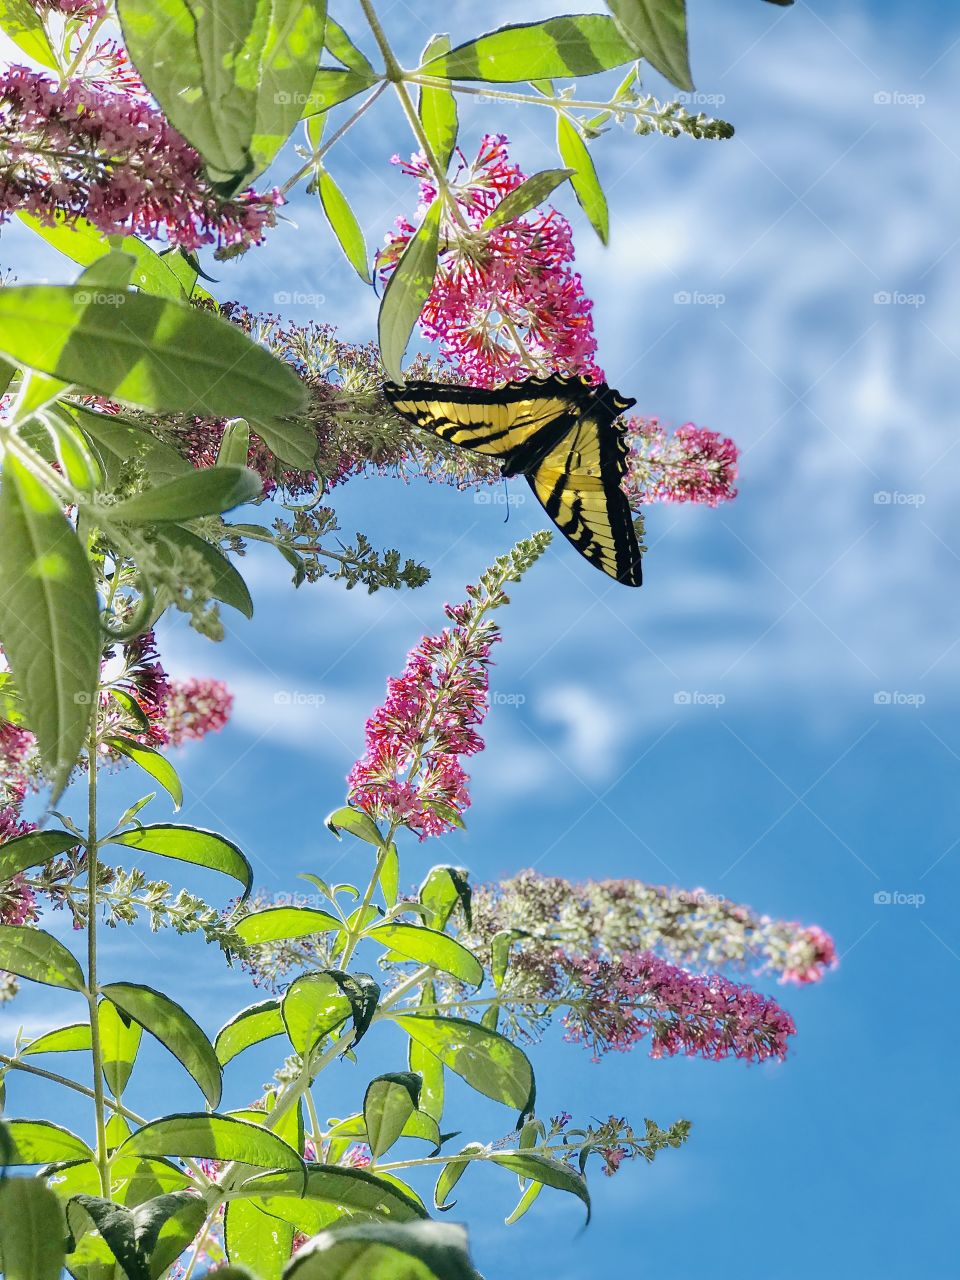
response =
{"points": [[559, 432]]}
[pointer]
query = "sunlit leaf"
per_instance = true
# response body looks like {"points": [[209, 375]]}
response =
{"points": [[212, 1137], [41, 1141], [153, 763], [119, 1042], [355, 821], [487, 1061], [428, 946], [63, 1040], [191, 844], [32, 953], [344, 224], [175, 1030], [49, 617], [32, 850], [571, 45], [437, 108], [20, 21], [583, 179], [256, 1238], [657, 29], [226, 584], [385, 1251], [32, 1230], [407, 290], [527, 196], [248, 1027], [388, 1103], [275, 923], [207, 491]]}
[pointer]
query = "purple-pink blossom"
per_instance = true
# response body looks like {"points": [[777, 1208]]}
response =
{"points": [[78, 150], [505, 302], [411, 773], [617, 1003], [693, 465]]}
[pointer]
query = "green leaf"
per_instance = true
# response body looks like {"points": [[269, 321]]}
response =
{"points": [[572, 45], [49, 618], [430, 1069], [344, 224], [657, 29], [191, 844], [152, 762], [153, 353], [20, 21], [524, 1203], [527, 196], [339, 45], [205, 492], [444, 887], [256, 1238], [174, 1028], [541, 1168], [84, 243], [584, 180], [119, 1043], [333, 1193], [119, 443], [63, 1040], [234, 444], [355, 821], [146, 1239], [231, 78], [452, 1172], [331, 86], [428, 946], [78, 461], [437, 108], [385, 1251], [32, 850], [31, 953], [212, 1137], [486, 1060], [248, 1027], [111, 271], [32, 1230], [40, 1142], [389, 1102], [407, 290], [226, 584], [313, 1006], [284, 922], [294, 443]]}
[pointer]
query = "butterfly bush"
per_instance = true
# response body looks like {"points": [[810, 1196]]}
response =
{"points": [[78, 150], [692, 465], [505, 302], [410, 774]]}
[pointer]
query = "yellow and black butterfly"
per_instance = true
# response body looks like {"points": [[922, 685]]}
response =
{"points": [[559, 432]]}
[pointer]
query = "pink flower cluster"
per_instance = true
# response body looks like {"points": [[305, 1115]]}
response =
{"points": [[505, 303], [616, 1003], [196, 707], [411, 773], [692, 465], [76, 150], [810, 955]]}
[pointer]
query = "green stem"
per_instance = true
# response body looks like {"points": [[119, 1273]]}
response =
{"points": [[16, 1065], [103, 1160], [354, 936], [82, 51], [335, 137], [538, 100]]}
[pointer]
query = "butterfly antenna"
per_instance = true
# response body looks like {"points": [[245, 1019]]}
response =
{"points": [[506, 498]]}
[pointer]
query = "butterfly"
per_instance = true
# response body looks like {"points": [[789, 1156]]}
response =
{"points": [[558, 432]]}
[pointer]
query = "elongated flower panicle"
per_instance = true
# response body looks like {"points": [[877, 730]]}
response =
{"points": [[505, 302], [196, 707], [616, 1004], [689, 927], [77, 150], [692, 465], [410, 774]]}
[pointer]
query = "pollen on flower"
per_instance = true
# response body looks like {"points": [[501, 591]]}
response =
{"points": [[505, 302]]}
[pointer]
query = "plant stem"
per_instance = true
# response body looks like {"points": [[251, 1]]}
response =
{"points": [[103, 1161], [16, 1065], [334, 137]]}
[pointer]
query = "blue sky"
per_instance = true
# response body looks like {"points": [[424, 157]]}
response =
{"points": [[825, 617]]}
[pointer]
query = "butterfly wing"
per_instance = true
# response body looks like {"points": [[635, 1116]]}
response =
{"points": [[519, 422], [579, 484]]}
